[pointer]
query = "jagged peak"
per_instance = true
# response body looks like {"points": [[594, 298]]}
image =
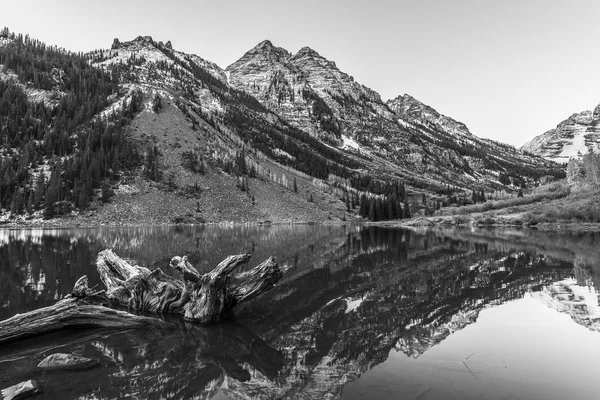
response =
{"points": [[264, 50], [266, 47], [404, 98], [140, 41], [307, 51], [145, 40], [264, 44], [168, 45], [408, 100]]}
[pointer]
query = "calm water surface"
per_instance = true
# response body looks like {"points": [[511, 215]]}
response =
{"points": [[364, 313]]}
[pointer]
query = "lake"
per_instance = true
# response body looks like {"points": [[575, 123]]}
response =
{"points": [[363, 313]]}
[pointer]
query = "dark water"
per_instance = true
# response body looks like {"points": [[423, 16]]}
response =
{"points": [[364, 313]]}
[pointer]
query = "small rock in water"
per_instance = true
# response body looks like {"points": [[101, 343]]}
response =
{"points": [[20, 390], [66, 362]]}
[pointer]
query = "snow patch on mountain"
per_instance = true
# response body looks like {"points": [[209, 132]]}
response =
{"points": [[349, 143], [353, 304], [573, 137]]}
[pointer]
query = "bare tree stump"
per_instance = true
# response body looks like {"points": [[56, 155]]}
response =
{"points": [[204, 298]]}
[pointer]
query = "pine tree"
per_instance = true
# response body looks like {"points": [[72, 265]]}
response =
{"points": [[380, 210], [107, 192], [40, 189], [29, 206], [364, 206], [53, 193], [347, 201], [16, 206], [372, 210], [390, 207], [295, 186], [406, 208]]}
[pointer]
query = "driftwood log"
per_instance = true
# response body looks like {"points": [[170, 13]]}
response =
{"points": [[204, 298], [76, 310]]}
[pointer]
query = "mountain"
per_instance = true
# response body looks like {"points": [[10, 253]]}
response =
{"points": [[428, 150], [411, 111], [185, 138], [483, 160], [575, 136], [274, 136], [310, 91]]}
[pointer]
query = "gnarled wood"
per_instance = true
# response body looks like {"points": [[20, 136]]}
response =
{"points": [[204, 298], [72, 311]]}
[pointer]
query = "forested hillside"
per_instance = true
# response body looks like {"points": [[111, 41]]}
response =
{"points": [[56, 152]]}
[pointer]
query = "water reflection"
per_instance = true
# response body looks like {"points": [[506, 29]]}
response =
{"points": [[354, 296]]}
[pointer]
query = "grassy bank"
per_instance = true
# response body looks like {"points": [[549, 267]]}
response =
{"points": [[549, 205]]}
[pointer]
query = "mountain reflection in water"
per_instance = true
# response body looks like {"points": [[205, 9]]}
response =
{"points": [[356, 298]]}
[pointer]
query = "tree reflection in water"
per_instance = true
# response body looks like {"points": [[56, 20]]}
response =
{"points": [[353, 294]]}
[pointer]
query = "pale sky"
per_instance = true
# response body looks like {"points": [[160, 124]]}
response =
{"points": [[509, 69]]}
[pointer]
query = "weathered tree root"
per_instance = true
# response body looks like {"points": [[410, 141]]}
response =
{"points": [[204, 298]]}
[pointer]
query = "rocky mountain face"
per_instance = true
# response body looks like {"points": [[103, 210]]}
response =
{"points": [[411, 111], [311, 93], [482, 160], [573, 137]]}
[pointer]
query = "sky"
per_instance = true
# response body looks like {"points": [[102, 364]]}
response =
{"points": [[510, 69]]}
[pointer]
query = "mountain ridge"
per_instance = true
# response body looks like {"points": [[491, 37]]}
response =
{"points": [[294, 120]]}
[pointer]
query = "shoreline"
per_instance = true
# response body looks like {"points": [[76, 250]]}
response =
{"points": [[54, 224], [416, 222], [449, 223]]}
